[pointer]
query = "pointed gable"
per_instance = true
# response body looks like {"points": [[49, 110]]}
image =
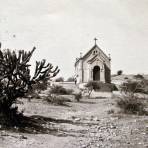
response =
{"points": [[99, 53], [96, 47]]}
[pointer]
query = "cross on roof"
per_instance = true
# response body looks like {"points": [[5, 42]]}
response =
{"points": [[95, 40]]}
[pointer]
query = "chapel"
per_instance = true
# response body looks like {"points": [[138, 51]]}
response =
{"points": [[95, 65]]}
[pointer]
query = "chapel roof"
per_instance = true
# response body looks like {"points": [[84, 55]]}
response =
{"points": [[88, 53]]}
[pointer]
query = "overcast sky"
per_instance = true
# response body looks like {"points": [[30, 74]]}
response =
{"points": [[61, 29]]}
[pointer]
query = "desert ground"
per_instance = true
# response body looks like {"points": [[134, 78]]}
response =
{"points": [[93, 122]]}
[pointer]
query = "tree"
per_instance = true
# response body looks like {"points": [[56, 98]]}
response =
{"points": [[16, 80], [119, 72]]}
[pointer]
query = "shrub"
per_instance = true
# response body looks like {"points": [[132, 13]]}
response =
{"points": [[131, 105], [100, 86], [60, 79], [107, 87], [16, 80], [119, 72], [78, 96], [138, 76], [113, 87], [132, 87], [93, 85], [57, 100], [41, 86], [58, 89], [70, 79], [37, 88]]}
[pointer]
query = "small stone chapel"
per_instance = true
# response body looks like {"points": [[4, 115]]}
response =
{"points": [[95, 65]]}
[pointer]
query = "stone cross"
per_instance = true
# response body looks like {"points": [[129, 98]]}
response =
{"points": [[95, 40]]}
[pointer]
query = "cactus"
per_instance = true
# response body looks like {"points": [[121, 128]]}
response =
{"points": [[15, 77]]}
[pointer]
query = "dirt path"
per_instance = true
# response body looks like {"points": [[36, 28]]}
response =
{"points": [[81, 125]]}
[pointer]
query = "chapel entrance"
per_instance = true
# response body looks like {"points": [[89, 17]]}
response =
{"points": [[96, 73]]}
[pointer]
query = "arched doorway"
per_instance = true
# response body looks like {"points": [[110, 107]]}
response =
{"points": [[96, 73]]}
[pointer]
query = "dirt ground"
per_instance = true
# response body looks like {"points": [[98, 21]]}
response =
{"points": [[90, 123]]}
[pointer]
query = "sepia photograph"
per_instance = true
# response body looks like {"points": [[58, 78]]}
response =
{"points": [[73, 73]]}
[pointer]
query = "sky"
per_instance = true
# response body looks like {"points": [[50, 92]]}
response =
{"points": [[61, 29]]}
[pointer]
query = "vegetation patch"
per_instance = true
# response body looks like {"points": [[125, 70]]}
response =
{"points": [[60, 79], [100, 86], [57, 100], [130, 102], [138, 76], [78, 96], [58, 89], [140, 86], [132, 105]]}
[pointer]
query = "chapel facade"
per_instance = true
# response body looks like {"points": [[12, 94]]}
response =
{"points": [[95, 65]]}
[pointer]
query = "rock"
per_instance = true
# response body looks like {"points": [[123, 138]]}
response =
{"points": [[144, 133], [77, 119], [112, 126], [96, 119], [84, 146], [98, 145], [23, 137]]}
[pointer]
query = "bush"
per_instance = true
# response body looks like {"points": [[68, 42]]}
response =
{"points": [[41, 86], [119, 72], [100, 86], [130, 105], [132, 87], [95, 85], [78, 96], [139, 76], [57, 89], [37, 88], [113, 87], [60, 79], [70, 79], [107, 87], [57, 100]]}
